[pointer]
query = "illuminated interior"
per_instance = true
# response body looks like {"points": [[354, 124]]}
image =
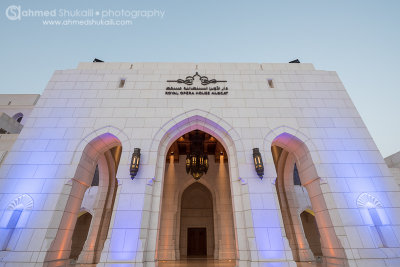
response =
{"points": [[189, 205]]}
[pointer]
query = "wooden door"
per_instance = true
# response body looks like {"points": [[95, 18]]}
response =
{"points": [[197, 242]]}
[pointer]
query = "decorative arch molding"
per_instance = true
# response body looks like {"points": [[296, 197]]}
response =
{"points": [[204, 118], [306, 156], [308, 209], [98, 133], [23, 202], [18, 116], [92, 152], [14, 218], [374, 215], [195, 119], [296, 143], [368, 201], [84, 210], [203, 182], [294, 136]]}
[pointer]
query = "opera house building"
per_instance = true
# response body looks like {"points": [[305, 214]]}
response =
{"points": [[158, 164]]}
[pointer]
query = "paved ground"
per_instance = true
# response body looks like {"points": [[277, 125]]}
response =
{"points": [[197, 263], [216, 263], [309, 264]]}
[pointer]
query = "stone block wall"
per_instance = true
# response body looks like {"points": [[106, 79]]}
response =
{"points": [[309, 105]]}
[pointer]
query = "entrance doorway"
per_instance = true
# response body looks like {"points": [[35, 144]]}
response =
{"points": [[196, 214], [197, 242], [197, 222], [80, 234], [312, 233]]}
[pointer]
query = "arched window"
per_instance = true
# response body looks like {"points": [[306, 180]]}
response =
{"points": [[296, 176], [18, 117], [14, 218], [95, 181], [9, 230], [374, 215]]}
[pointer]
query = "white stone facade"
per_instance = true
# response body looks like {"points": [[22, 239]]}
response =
{"points": [[85, 117]]}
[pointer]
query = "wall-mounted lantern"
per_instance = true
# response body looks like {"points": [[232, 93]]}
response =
{"points": [[258, 163], [135, 162]]}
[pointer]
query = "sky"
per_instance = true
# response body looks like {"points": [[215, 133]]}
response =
{"points": [[359, 39]]}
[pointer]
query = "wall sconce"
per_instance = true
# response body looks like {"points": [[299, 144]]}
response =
{"points": [[135, 162], [258, 163]]}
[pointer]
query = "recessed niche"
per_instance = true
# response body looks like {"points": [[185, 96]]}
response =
{"points": [[270, 83], [122, 83]]}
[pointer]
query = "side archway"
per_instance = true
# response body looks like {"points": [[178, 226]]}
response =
{"points": [[103, 151], [288, 149]]}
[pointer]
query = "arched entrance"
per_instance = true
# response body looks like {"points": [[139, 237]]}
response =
{"points": [[295, 172], [311, 232], [80, 237], [197, 224], [196, 216], [80, 234]]}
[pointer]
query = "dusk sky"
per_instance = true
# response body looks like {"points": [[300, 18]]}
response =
{"points": [[359, 40]]}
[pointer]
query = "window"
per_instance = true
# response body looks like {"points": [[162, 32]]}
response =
{"points": [[18, 117], [95, 181], [15, 215], [374, 216], [296, 176], [11, 225], [376, 228]]}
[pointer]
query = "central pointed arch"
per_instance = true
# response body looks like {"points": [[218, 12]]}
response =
{"points": [[226, 135]]}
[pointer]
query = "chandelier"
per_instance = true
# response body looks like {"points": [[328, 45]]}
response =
{"points": [[196, 160]]}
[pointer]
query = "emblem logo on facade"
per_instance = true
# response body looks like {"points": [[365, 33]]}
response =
{"points": [[195, 90], [203, 79]]}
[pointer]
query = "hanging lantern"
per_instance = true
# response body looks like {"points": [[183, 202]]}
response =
{"points": [[135, 162], [197, 160], [258, 163]]}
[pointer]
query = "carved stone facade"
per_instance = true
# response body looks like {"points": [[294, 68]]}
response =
{"points": [[338, 207]]}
